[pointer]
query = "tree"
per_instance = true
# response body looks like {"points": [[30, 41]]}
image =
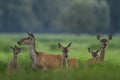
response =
{"points": [[115, 15], [86, 16]]}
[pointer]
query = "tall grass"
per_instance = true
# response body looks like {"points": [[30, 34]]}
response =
{"points": [[108, 70]]}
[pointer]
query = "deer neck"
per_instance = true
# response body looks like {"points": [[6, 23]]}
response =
{"points": [[102, 55], [33, 54], [14, 59], [64, 60]]}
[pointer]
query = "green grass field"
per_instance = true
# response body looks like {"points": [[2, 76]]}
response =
{"points": [[48, 43]]}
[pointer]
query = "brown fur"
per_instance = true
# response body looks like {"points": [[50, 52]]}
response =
{"points": [[72, 62], [93, 60], [54, 61], [48, 60], [12, 67]]}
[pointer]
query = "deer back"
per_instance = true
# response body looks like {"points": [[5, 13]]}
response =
{"points": [[93, 60]]}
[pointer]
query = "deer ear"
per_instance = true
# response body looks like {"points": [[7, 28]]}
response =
{"points": [[98, 36], [59, 45], [32, 35], [97, 51], [69, 44], [15, 46], [89, 50], [11, 47], [110, 37], [29, 33]]}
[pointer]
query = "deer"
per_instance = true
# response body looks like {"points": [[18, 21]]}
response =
{"points": [[104, 43], [95, 56], [67, 62], [40, 59], [13, 65], [94, 53]]}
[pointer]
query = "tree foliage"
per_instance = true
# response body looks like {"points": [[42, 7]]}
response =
{"points": [[86, 16], [115, 15], [76, 16]]}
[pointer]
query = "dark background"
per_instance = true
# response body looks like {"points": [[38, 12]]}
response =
{"points": [[60, 16]]}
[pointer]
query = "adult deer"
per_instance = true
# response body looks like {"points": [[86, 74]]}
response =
{"points": [[13, 65], [67, 62], [104, 43]]}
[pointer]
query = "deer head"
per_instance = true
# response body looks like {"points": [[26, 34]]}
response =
{"points": [[15, 49], [64, 49], [103, 41], [94, 53], [28, 40]]}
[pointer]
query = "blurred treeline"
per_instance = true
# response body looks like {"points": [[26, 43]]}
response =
{"points": [[72, 16]]}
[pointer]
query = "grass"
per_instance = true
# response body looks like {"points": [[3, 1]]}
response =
{"points": [[108, 70]]}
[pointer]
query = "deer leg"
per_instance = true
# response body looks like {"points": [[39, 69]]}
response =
{"points": [[34, 66]]}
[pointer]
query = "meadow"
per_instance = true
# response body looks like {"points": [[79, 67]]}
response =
{"points": [[108, 70]]}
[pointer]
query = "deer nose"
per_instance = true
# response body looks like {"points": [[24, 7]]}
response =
{"points": [[105, 44], [66, 56]]}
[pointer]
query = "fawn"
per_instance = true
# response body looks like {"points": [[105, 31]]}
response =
{"points": [[104, 43], [13, 65], [95, 56], [94, 53], [40, 59], [67, 62]]}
